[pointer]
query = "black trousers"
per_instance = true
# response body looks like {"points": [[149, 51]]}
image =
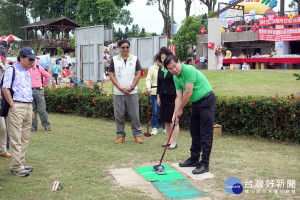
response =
{"points": [[55, 76], [201, 129]]}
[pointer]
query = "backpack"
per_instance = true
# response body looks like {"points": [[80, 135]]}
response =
{"points": [[4, 104]]}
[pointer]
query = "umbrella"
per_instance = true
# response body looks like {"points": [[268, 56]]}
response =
{"points": [[11, 38]]}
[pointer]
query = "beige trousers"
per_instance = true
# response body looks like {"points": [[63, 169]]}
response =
{"points": [[19, 120], [3, 135]]}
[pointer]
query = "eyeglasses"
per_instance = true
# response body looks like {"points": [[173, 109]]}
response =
{"points": [[172, 68], [127, 47], [31, 59]]}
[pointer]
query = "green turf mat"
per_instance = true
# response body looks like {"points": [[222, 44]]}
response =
{"points": [[178, 189], [150, 175]]}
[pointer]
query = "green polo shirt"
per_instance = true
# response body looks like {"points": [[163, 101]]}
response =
{"points": [[190, 74]]}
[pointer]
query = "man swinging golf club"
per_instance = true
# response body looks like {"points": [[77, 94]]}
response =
{"points": [[191, 85]]}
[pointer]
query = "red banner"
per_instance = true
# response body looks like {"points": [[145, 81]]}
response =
{"points": [[279, 21], [172, 48], [279, 35]]}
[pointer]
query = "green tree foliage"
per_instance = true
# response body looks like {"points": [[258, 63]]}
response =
{"points": [[143, 33], [46, 9], [23, 3], [126, 33], [60, 51], [39, 48], [87, 12], [124, 17], [108, 12], [12, 17], [102, 12], [118, 35], [186, 37], [134, 32], [72, 38]]}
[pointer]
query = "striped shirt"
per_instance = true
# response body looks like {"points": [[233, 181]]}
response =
{"points": [[22, 83]]}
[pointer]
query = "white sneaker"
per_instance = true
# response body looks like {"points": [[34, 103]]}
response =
{"points": [[154, 131], [164, 131]]}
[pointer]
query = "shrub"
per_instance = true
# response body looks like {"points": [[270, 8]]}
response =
{"points": [[274, 118], [60, 51], [268, 117]]}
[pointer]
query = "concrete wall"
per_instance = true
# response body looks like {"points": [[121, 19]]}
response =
{"points": [[236, 42], [146, 48], [89, 51], [240, 36], [202, 40], [214, 35]]}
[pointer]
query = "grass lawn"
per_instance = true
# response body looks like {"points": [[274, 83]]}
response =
{"points": [[79, 152], [244, 83]]}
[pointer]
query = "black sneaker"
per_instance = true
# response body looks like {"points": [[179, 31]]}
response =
{"points": [[33, 129], [22, 173], [188, 163], [200, 170], [28, 168]]}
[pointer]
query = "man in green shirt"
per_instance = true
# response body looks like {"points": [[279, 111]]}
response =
{"points": [[192, 86]]}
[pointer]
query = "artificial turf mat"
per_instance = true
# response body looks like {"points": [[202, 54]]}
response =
{"points": [[178, 189], [150, 175]]}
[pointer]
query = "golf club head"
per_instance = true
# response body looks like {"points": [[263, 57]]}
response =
{"points": [[159, 169], [147, 134]]}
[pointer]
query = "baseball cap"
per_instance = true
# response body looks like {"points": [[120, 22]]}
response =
{"points": [[2, 54], [28, 52]]}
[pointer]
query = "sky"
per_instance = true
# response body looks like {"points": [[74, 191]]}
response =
{"points": [[150, 18]]}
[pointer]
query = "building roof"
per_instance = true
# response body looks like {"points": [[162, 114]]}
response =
{"points": [[54, 23]]}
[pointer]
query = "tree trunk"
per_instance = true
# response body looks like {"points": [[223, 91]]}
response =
{"points": [[187, 8], [165, 14], [24, 7], [298, 2], [214, 5], [210, 4], [166, 26]]}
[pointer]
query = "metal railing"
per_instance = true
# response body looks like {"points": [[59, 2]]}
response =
{"points": [[50, 43]]}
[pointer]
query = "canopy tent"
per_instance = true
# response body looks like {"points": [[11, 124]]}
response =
{"points": [[11, 38], [2, 38]]}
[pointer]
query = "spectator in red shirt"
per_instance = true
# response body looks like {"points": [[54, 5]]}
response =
{"points": [[66, 72], [40, 78]]}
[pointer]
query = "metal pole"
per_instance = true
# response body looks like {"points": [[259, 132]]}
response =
{"points": [[172, 21]]}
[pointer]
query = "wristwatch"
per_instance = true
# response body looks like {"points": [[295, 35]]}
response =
{"points": [[132, 87]]}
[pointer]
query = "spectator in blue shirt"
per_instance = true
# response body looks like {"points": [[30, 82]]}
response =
{"points": [[19, 118], [56, 69]]}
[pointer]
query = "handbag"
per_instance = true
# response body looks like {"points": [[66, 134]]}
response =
{"points": [[4, 104]]}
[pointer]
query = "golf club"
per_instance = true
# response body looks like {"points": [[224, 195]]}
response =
{"points": [[159, 169], [148, 134]]}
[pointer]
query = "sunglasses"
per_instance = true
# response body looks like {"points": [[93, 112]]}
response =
{"points": [[127, 47]]}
